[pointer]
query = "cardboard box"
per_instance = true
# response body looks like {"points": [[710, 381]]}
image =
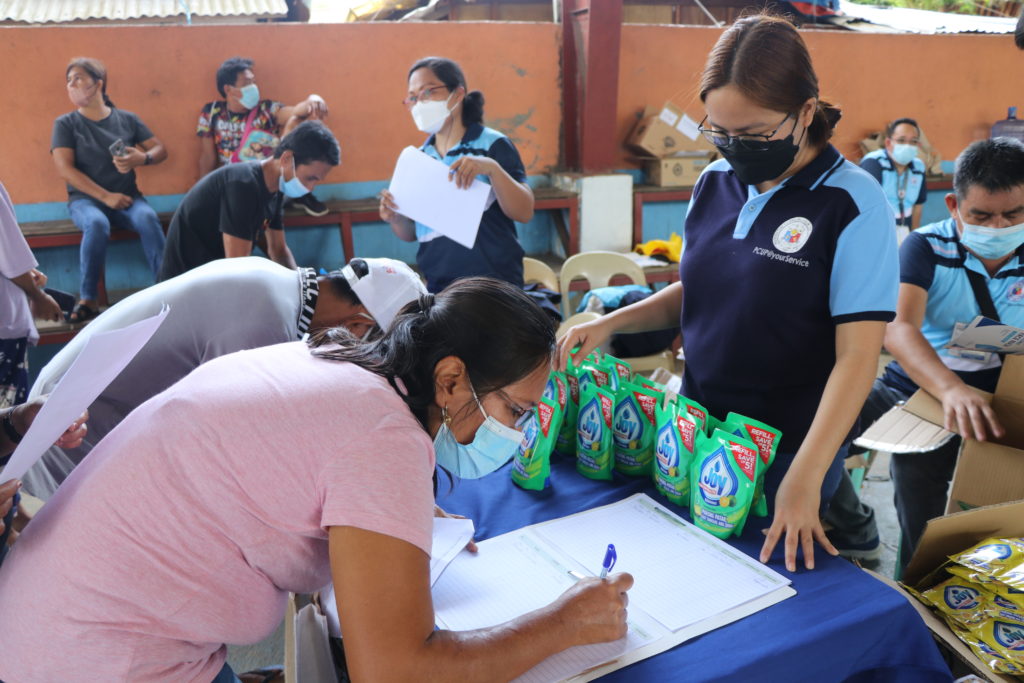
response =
{"points": [[664, 132], [681, 171], [987, 472], [947, 536]]}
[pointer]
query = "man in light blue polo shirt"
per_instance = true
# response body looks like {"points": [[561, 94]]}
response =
{"points": [[900, 173], [980, 241]]}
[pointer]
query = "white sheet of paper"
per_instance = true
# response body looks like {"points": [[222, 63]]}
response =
{"points": [[450, 537], [424, 193], [687, 582], [102, 359]]}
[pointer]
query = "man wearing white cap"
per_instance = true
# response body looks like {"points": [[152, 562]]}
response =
{"points": [[218, 308]]}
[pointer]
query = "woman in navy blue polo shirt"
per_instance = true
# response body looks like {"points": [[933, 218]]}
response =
{"points": [[788, 277], [442, 107]]}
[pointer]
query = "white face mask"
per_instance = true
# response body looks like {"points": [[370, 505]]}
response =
{"points": [[429, 116], [991, 243]]}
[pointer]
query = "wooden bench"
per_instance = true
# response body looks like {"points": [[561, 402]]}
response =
{"points": [[343, 213]]}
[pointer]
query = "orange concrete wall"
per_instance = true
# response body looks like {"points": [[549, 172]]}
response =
{"points": [[166, 73], [951, 84]]}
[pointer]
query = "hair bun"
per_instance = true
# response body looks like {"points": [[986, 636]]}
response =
{"points": [[426, 303], [831, 112]]}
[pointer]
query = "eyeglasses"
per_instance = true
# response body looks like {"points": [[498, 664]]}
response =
{"points": [[520, 415], [750, 142], [425, 95]]}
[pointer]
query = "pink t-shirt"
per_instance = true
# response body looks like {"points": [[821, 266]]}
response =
{"points": [[186, 527]]}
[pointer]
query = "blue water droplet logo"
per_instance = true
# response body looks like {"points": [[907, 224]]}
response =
{"points": [[1010, 636], [960, 597], [589, 429], [627, 423], [666, 449], [716, 478]]}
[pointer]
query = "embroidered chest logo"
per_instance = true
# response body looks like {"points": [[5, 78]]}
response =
{"points": [[1015, 294], [792, 235]]}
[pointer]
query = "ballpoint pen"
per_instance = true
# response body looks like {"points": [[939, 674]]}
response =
{"points": [[609, 560]]}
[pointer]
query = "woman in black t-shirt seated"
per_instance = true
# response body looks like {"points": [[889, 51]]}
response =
{"points": [[96, 149]]}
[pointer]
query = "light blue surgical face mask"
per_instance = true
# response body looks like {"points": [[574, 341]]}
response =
{"points": [[493, 445], [250, 96], [991, 243], [903, 154], [292, 188]]}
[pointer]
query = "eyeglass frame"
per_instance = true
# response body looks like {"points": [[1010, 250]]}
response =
{"points": [[707, 133], [411, 101]]}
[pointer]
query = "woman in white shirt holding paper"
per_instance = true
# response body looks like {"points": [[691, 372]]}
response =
{"points": [[442, 106]]}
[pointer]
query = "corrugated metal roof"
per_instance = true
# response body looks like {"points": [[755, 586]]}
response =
{"points": [[923, 21], [65, 11]]}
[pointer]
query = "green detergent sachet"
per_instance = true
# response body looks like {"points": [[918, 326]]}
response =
{"points": [[634, 428], [723, 476], [766, 439], [606, 377], [674, 446], [566, 445], [532, 465], [595, 438], [557, 390], [623, 369], [699, 412]]}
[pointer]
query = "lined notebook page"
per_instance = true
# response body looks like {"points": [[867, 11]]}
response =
{"points": [[683, 574]]}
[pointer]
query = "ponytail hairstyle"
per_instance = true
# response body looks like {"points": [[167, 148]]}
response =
{"points": [[96, 70], [450, 73], [767, 60], [493, 327]]}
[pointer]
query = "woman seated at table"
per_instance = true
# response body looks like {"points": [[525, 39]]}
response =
{"points": [[281, 469], [443, 107], [96, 149]]}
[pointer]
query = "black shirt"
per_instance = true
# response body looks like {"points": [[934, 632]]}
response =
{"points": [[91, 141], [233, 200]]}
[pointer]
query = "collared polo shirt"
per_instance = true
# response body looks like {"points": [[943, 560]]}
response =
{"points": [[768, 276], [497, 252], [933, 259], [911, 182]]}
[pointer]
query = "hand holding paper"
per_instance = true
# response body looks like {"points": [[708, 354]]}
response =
{"points": [[102, 359], [422, 188]]}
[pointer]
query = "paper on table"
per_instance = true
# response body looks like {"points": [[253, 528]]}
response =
{"points": [[102, 359], [425, 193], [682, 574], [529, 568], [450, 536]]}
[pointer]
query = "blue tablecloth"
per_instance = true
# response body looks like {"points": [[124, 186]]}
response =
{"points": [[842, 625]]}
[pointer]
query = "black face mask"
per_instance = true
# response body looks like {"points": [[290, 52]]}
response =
{"points": [[757, 166]]}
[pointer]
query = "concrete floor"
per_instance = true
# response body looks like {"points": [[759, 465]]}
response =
{"points": [[877, 492]]}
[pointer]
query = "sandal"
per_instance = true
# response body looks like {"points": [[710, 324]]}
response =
{"points": [[81, 313]]}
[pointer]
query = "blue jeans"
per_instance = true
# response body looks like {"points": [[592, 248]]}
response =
{"points": [[94, 219]]}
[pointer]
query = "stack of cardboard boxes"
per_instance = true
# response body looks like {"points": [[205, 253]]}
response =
{"points": [[669, 146]]}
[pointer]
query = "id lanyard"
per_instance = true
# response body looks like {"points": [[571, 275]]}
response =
{"points": [[901, 187]]}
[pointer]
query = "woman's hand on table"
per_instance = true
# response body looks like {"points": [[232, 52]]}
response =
{"points": [[465, 169], [438, 512], [587, 336], [596, 608], [797, 506]]}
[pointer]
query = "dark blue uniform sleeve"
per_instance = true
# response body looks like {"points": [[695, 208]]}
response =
{"points": [[923, 194], [507, 156], [873, 167], [917, 261]]}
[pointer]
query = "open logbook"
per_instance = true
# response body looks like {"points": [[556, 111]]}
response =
{"points": [[687, 582]]}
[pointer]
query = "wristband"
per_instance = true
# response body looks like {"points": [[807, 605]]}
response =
{"points": [[7, 424], [149, 160]]}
